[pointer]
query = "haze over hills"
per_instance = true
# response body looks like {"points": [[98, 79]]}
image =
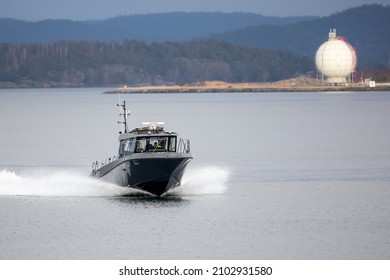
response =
{"points": [[365, 27], [177, 26]]}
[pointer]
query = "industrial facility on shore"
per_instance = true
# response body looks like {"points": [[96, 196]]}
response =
{"points": [[336, 63], [336, 60]]}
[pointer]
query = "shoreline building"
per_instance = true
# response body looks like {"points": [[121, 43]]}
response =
{"points": [[336, 60]]}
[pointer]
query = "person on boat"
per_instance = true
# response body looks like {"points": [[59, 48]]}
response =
{"points": [[157, 145], [149, 146]]}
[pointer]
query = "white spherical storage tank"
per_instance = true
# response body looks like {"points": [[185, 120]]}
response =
{"points": [[336, 59]]}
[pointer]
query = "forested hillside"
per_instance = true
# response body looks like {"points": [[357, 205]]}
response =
{"points": [[365, 27], [87, 63]]}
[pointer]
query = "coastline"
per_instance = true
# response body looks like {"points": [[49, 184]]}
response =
{"points": [[299, 84], [292, 85]]}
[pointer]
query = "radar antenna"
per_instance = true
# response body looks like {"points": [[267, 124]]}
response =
{"points": [[125, 113]]}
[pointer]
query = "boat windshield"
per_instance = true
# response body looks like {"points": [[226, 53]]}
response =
{"points": [[126, 146], [155, 144]]}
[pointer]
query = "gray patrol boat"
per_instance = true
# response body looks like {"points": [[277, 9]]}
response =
{"points": [[150, 159]]}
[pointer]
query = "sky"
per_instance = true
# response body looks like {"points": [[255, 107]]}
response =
{"points": [[34, 10]]}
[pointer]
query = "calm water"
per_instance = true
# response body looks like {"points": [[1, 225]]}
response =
{"points": [[274, 176]]}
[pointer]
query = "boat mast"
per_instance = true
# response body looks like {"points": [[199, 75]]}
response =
{"points": [[125, 113]]}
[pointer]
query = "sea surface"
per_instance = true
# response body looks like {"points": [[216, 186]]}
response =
{"points": [[274, 176]]}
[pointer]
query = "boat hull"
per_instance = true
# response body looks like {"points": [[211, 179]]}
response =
{"points": [[155, 173]]}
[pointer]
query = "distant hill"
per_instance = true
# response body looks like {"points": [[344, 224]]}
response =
{"points": [[177, 26], [365, 27]]}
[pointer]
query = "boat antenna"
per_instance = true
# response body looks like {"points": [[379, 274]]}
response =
{"points": [[119, 102], [125, 113]]}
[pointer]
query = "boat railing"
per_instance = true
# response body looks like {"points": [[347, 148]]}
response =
{"points": [[99, 164], [184, 146]]}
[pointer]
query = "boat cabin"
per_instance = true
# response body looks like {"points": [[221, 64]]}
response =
{"points": [[151, 138]]}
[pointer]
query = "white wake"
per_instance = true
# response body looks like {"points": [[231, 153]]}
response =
{"points": [[57, 183], [205, 180]]}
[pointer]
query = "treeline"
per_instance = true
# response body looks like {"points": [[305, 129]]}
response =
{"points": [[87, 63]]}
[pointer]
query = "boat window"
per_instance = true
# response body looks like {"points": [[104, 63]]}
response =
{"points": [[172, 144], [126, 146], [121, 147], [158, 144], [140, 145], [151, 144]]}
